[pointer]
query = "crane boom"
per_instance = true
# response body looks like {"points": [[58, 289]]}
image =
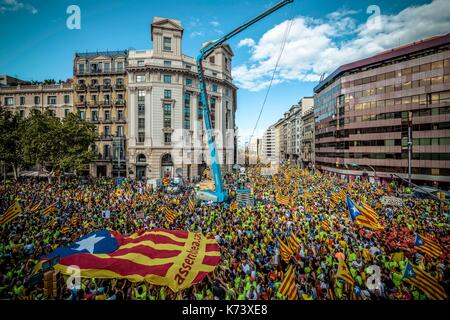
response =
{"points": [[220, 194]]}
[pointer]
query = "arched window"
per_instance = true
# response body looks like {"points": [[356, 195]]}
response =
{"points": [[141, 158], [166, 160]]}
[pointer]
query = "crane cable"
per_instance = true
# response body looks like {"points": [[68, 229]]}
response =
{"points": [[285, 37]]}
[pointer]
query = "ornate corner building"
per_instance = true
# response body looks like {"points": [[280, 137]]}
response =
{"points": [[166, 131]]}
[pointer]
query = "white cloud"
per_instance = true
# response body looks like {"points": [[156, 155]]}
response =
{"points": [[246, 43], [14, 5], [214, 23], [315, 46], [196, 34]]}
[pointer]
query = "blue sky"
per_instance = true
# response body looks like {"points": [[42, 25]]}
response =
{"points": [[36, 44]]}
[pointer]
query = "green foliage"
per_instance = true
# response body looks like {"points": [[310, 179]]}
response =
{"points": [[10, 150], [46, 140]]}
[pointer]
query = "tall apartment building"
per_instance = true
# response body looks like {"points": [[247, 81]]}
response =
{"points": [[166, 134], [268, 146], [100, 97], [289, 132], [365, 109], [308, 138], [23, 98]]}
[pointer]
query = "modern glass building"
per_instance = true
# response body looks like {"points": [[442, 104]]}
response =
{"points": [[368, 113]]}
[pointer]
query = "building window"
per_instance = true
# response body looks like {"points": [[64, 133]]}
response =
{"points": [[107, 115], [119, 81], [227, 92], [106, 131], [213, 112], [94, 98], [66, 113], [66, 99], [82, 115], [141, 124], [107, 67], [81, 97], [51, 100], [140, 63], [187, 111], [226, 64], [37, 100], [167, 43], [94, 116], [188, 82], [120, 66], [140, 78], [167, 78], [167, 94], [22, 101], [167, 137], [120, 131], [141, 110], [212, 59], [106, 99], [215, 88], [141, 96], [21, 113], [167, 63], [81, 68], [141, 137], [200, 109], [106, 151], [167, 115], [119, 114], [227, 116]]}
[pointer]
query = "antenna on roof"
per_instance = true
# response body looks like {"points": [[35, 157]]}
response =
{"points": [[322, 77]]}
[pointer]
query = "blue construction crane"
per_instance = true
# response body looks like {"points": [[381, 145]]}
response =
{"points": [[220, 195]]}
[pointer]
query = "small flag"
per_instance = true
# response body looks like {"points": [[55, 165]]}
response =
{"points": [[284, 200], [285, 251], [36, 207], [427, 246], [11, 213], [287, 287], [65, 229], [50, 209], [359, 218], [425, 282], [171, 215], [191, 205], [344, 273], [293, 243]]}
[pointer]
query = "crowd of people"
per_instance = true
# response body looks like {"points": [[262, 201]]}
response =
{"points": [[250, 267]]}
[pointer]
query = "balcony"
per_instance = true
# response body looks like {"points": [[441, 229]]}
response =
{"points": [[81, 104], [119, 87], [100, 71], [80, 88], [119, 120], [105, 103], [119, 103], [93, 104], [105, 137], [106, 88], [94, 120], [94, 87]]}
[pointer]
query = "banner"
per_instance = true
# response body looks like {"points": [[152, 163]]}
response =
{"points": [[392, 201], [173, 258]]}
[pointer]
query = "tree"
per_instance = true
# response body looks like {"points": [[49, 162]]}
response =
{"points": [[61, 145], [10, 147]]}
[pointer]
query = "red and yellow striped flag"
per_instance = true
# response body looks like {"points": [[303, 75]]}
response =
{"points": [[36, 207], [50, 209], [425, 282], [284, 200], [285, 251], [293, 242], [344, 273], [287, 287], [191, 205], [11, 213], [427, 246], [171, 215], [174, 258]]}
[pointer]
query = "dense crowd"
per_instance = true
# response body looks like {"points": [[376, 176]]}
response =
{"points": [[251, 267]]}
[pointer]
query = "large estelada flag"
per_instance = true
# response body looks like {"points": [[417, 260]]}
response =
{"points": [[173, 258]]}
